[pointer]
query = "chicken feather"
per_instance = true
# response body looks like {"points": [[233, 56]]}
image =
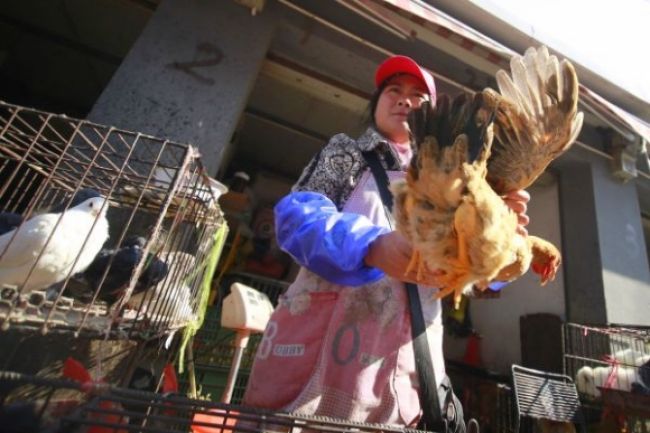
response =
{"points": [[536, 118], [469, 152]]}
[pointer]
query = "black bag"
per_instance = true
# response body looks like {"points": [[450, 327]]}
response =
{"points": [[441, 409]]}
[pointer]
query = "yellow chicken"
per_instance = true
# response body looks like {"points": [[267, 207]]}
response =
{"points": [[469, 152]]}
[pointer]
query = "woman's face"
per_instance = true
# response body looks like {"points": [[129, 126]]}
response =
{"points": [[399, 97]]}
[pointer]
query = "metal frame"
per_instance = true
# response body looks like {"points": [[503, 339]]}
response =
{"points": [[545, 395], [101, 405]]}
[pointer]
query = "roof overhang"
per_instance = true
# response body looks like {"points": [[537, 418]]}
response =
{"points": [[416, 19]]}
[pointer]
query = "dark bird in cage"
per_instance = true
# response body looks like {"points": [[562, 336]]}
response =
{"points": [[11, 220], [19, 418], [173, 296], [145, 379], [124, 261], [644, 370], [639, 388], [47, 248], [26, 417]]}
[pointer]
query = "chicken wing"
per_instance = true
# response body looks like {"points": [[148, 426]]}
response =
{"points": [[536, 120]]}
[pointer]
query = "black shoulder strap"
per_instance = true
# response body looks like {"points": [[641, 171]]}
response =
{"points": [[431, 409], [381, 179]]}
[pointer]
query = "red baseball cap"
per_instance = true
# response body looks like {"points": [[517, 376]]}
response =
{"points": [[405, 65]]}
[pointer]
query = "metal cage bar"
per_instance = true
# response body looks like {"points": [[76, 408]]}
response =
{"points": [[611, 366], [71, 406]]}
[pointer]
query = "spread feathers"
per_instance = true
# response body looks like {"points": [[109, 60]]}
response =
{"points": [[58, 239], [536, 118], [469, 152]]}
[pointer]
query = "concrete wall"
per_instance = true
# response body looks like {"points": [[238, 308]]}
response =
{"points": [[189, 75], [625, 272], [608, 280]]}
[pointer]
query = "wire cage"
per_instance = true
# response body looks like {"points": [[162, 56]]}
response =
{"points": [[67, 406], [485, 396], [214, 346], [547, 399], [505, 413], [103, 231], [611, 367]]}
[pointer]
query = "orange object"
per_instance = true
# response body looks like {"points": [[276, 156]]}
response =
{"points": [[235, 202], [108, 418], [219, 419], [170, 382], [473, 351], [169, 386], [73, 369]]}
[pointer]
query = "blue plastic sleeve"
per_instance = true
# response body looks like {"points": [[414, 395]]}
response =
{"points": [[329, 243], [496, 286]]}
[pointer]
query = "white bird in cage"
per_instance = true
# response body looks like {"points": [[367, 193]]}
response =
{"points": [[83, 223], [588, 379], [172, 297]]}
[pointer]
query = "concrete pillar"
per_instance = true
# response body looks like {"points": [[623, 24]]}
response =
{"points": [[581, 255], [607, 278], [188, 77], [626, 276]]}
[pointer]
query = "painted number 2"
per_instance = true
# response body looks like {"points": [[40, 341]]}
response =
{"points": [[212, 57]]}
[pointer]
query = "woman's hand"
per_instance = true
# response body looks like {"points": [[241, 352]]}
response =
{"points": [[518, 202], [391, 253]]}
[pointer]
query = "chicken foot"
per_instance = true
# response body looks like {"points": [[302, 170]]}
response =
{"points": [[415, 263], [461, 271]]}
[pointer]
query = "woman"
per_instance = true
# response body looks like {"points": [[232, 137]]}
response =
{"points": [[339, 342]]}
